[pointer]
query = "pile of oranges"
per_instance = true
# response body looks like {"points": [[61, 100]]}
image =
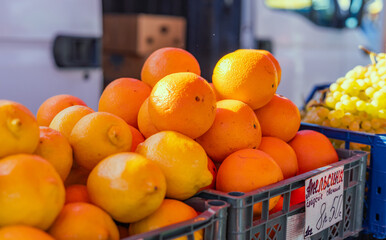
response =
{"points": [[73, 172]]}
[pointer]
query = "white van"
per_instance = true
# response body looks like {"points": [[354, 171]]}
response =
{"points": [[48, 48]]}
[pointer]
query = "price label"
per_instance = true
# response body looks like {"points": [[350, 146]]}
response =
{"points": [[324, 201]]}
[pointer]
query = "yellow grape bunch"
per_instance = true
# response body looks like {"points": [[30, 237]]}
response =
{"points": [[356, 101]]}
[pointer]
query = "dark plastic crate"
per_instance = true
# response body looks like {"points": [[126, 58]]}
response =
{"points": [[375, 204], [213, 220], [241, 224]]}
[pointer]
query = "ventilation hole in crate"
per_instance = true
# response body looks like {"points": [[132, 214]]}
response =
{"points": [[257, 236], [149, 40], [349, 199], [164, 29], [236, 194], [379, 190], [216, 203], [346, 225], [271, 233], [348, 211], [334, 230], [377, 216]]}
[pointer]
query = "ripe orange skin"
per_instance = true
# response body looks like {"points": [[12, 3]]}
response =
{"points": [[31, 192], [297, 196], [275, 62], [165, 61], [182, 102], [53, 105], [123, 97], [247, 170], [313, 150], [215, 92], [66, 119], [145, 125], [282, 153], [137, 138], [78, 175], [235, 127], [170, 212], [248, 76], [279, 118], [77, 193], [19, 130], [212, 168], [278, 207], [127, 185], [22, 232], [56, 149], [98, 135], [78, 221], [272, 58], [182, 160]]}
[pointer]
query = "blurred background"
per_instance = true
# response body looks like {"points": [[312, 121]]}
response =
{"points": [[78, 47]]}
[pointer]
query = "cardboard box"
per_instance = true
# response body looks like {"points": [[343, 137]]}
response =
{"points": [[141, 34], [117, 65]]}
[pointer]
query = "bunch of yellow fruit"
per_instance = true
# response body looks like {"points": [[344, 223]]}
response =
{"points": [[355, 102]]}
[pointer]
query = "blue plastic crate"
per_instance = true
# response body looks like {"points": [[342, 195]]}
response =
{"points": [[375, 204]]}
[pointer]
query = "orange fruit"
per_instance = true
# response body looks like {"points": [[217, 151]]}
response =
{"points": [[145, 125], [182, 102], [165, 61], [248, 76], [127, 186], [282, 153], [279, 118], [123, 97], [56, 149], [247, 170], [31, 191], [77, 193], [137, 138], [278, 207], [78, 221], [235, 127], [53, 105], [170, 212], [272, 58], [22, 232], [313, 150], [215, 92], [182, 160], [98, 135], [213, 170], [19, 131], [298, 196], [123, 230], [77, 175], [66, 119]]}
